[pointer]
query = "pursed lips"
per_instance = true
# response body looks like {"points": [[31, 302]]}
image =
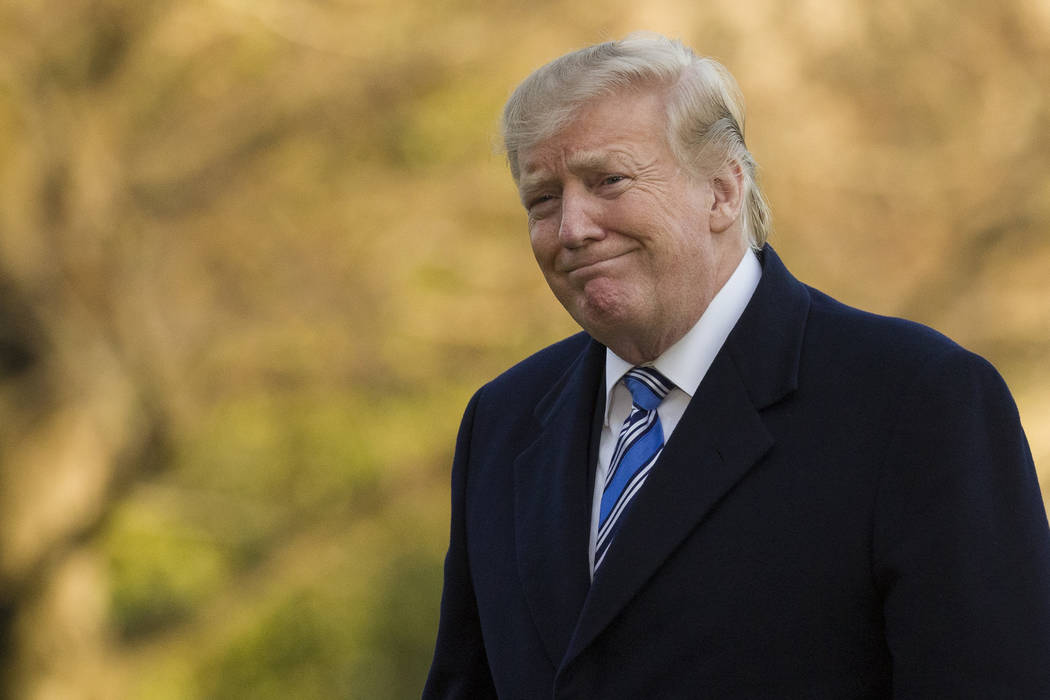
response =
{"points": [[584, 264]]}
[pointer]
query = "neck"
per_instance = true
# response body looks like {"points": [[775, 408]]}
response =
{"points": [[639, 350]]}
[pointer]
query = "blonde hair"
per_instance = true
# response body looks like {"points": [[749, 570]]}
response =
{"points": [[705, 112]]}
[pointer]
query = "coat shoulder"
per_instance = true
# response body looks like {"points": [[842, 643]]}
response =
{"points": [[881, 341]]}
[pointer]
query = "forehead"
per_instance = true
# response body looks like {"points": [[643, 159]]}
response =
{"points": [[615, 128]]}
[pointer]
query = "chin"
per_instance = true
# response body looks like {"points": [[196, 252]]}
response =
{"points": [[606, 313]]}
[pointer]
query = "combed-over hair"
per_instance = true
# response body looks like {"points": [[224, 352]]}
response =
{"points": [[705, 111]]}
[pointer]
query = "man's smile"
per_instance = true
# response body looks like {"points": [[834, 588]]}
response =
{"points": [[591, 264]]}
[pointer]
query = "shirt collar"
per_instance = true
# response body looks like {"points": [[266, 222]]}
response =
{"points": [[686, 362]]}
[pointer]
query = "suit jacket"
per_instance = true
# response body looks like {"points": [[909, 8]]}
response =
{"points": [[847, 509]]}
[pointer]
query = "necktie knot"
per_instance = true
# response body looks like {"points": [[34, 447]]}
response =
{"points": [[647, 386]]}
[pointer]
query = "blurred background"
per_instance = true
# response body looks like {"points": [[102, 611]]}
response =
{"points": [[255, 255]]}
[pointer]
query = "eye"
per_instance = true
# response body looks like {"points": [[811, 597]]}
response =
{"points": [[538, 200], [613, 179]]}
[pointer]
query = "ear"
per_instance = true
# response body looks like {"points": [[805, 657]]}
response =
{"points": [[727, 185]]}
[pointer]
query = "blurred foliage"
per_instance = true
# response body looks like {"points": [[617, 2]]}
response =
{"points": [[256, 255]]}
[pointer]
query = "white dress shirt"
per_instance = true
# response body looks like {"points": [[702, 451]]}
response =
{"points": [[685, 363]]}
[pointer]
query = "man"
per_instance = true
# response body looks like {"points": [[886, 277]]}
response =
{"points": [[729, 485]]}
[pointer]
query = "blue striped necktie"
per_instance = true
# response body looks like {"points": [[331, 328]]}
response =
{"points": [[640, 442]]}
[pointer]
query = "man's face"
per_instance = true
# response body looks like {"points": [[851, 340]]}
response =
{"points": [[620, 230]]}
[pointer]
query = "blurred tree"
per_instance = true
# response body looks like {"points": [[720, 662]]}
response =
{"points": [[254, 257]]}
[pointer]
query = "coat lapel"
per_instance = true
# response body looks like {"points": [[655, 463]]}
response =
{"points": [[719, 439], [552, 502]]}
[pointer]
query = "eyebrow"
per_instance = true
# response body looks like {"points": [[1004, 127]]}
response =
{"points": [[591, 160], [529, 186]]}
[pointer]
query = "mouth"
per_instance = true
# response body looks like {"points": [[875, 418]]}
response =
{"points": [[585, 267]]}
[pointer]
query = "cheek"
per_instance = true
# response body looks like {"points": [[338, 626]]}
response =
{"points": [[544, 245]]}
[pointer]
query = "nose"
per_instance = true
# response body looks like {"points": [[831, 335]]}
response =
{"points": [[580, 215]]}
